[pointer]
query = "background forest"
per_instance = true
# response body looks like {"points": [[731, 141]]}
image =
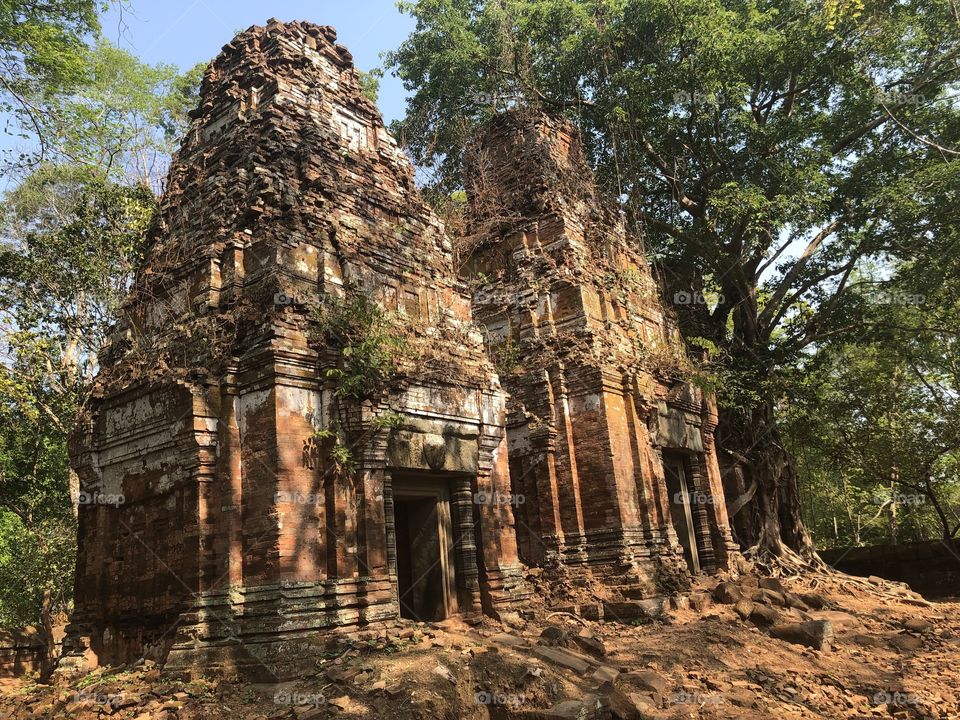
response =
{"points": [[790, 166]]}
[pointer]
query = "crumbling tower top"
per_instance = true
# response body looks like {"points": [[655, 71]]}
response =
{"points": [[288, 185]]}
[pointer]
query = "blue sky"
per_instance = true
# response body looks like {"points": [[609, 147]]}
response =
{"points": [[185, 32]]}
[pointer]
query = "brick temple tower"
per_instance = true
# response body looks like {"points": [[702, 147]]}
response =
{"points": [[252, 485], [610, 444]]}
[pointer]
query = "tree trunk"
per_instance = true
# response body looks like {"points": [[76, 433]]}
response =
{"points": [[753, 458], [751, 445], [46, 635]]}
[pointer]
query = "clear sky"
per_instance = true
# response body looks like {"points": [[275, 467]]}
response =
{"points": [[185, 32]]}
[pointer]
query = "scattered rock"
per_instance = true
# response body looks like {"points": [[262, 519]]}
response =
{"points": [[649, 680], [727, 593], [555, 636], [700, 601], [795, 601], [633, 609], [679, 602], [741, 697], [589, 642], [562, 657], [623, 706], [816, 634], [763, 615], [813, 600], [512, 619], [341, 703], [840, 620], [744, 608], [918, 625], [769, 597], [444, 672], [606, 673], [508, 640], [772, 583], [906, 643]]}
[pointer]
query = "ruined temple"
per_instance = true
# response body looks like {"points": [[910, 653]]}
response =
{"points": [[299, 423], [610, 442]]}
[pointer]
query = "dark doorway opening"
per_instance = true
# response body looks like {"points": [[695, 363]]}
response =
{"points": [[426, 582], [681, 507]]}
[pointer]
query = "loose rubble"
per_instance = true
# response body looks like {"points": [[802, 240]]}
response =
{"points": [[684, 664]]}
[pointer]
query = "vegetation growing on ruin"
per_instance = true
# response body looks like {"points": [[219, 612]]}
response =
{"points": [[370, 344]]}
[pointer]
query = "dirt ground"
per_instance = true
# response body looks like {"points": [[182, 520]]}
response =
{"points": [[891, 655]]}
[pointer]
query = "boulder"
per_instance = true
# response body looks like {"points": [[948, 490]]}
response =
{"points": [[918, 625], [590, 643], [649, 681], [744, 608], [772, 583], [816, 634], [727, 593], [906, 643], [555, 636], [763, 615]]}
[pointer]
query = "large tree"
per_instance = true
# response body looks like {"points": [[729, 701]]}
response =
{"points": [[43, 47], [875, 424], [74, 238], [72, 233], [761, 148]]}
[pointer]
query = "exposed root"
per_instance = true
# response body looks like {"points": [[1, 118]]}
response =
{"points": [[783, 562], [566, 614]]}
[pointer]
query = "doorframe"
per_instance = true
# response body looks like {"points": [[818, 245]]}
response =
{"points": [[678, 462], [415, 487]]}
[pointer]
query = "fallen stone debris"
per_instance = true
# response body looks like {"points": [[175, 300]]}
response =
{"points": [[866, 652]]}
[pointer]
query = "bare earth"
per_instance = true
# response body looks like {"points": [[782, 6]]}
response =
{"points": [[892, 655]]}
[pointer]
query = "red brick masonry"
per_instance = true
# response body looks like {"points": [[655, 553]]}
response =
{"points": [[219, 532]]}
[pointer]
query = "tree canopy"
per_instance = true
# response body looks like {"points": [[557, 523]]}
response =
{"points": [[766, 152]]}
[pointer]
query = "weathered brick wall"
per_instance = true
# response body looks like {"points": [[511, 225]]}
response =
{"points": [[236, 537], [594, 365], [22, 652], [931, 568]]}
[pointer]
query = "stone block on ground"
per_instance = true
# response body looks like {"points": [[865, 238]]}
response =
{"points": [[816, 634], [764, 615], [727, 593], [564, 658]]}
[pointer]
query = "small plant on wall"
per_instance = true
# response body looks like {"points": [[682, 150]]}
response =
{"points": [[369, 347], [340, 455], [369, 342]]}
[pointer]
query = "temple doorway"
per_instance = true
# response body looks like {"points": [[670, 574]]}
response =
{"points": [[681, 507], [426, 574]]}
